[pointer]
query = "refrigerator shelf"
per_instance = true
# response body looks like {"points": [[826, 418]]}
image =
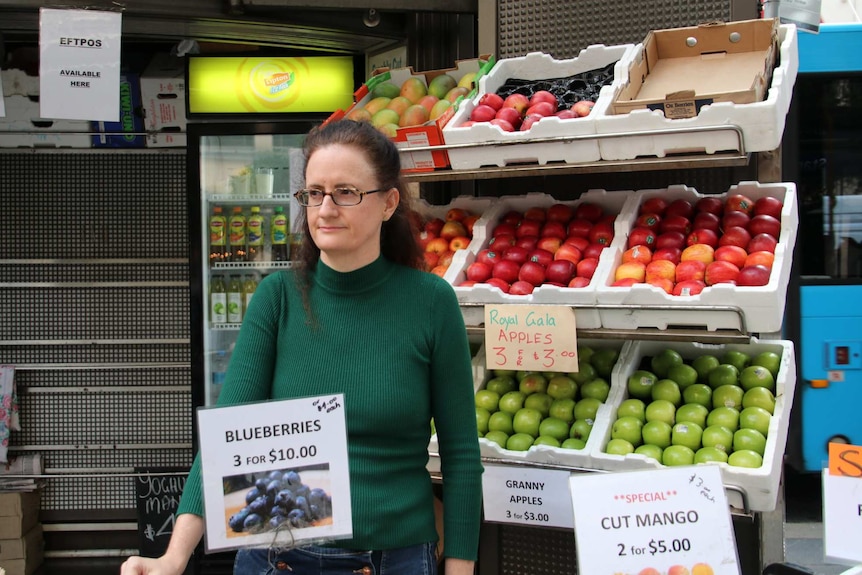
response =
{"points": [[245, 199], [225, 326], [225, 266]]}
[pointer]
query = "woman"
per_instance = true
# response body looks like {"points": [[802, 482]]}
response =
{"points": [[358, 316]]}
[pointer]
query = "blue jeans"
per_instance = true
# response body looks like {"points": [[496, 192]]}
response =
{"points": [[314, 560]]}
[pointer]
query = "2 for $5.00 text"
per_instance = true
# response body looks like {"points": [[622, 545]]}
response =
{"points": [[287, 454]]}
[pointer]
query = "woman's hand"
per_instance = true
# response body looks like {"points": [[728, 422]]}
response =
{"points": [[458, 566], [188, 531]]}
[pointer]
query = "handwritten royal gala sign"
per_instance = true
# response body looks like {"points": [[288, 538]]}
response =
{"points": [[530, 337]]}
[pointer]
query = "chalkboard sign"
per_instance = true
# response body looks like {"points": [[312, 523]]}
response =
{"points": [[157, 492]]}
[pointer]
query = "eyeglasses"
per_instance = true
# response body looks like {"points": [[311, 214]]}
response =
{"points": [[344, 196]]}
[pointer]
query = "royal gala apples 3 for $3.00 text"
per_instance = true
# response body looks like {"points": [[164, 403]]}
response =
{"points": [[684, 247]]}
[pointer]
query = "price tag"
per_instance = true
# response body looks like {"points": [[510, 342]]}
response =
{"points": [[672, 521], [527, 496], [531, 337], [842, 504], [275, 472]]}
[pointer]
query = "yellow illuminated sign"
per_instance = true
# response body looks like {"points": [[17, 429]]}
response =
{"points": [[242, 85]]}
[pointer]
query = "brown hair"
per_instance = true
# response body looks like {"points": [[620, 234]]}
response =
{"points": [[397, 239]]}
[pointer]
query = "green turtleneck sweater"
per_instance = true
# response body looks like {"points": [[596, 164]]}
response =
{"points": [[392, 340]]}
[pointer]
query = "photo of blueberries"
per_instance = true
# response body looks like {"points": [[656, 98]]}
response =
{"points": [[278, 498], [568, 90]]}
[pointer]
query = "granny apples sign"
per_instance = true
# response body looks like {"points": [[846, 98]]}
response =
{"points": [[537, 337]]}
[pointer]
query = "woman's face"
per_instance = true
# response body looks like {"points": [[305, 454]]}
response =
{"points": [[348, 236]]}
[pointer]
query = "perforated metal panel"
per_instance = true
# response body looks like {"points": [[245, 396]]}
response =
{"points": [[534, 550], [562, 28]]}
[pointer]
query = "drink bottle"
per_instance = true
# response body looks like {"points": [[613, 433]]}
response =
{"points": [[237, 228], [256, 224], [219, 372], [279, 235], [218, 236], [218, 300], [248, 288], [234, 300]]}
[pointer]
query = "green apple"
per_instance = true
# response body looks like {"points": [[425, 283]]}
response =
{"points": [[604, 360], [581, 429], [563, 409], [759, 397], [723, 374], [664, 360], [633, 407], [628, 428], [703, 364], [482, 417], [698, 393], [683, 374], [677, 455], [717, 436], [640, 384], [573, 443], [527, 421], [751, 439], [768, 359], [562, 387], [725, 416], [755, 418], [656, 433], [497, 437], [692, 413], [499, 372], [501, 421], [511, 402], [597, 388], [756, 376], [649, 450], [727, 396], [586, 408], [502, 384], [687, 434], [585, 352], [520, 442], [553, 427], [619, 447], [541, 402], [521, 374], [737, 358], [667, 389], [661, 410], [710, 455], [586, 372], [745, 458], [487, 399], [547, 440], [533, 383]]}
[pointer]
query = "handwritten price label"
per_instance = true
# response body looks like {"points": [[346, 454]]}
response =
{"points": [[537, 337]]}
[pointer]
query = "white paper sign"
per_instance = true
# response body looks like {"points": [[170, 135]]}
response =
{"points": [[79, 64], [673, 521], [275, 473], [527, 496], [842, 518]]}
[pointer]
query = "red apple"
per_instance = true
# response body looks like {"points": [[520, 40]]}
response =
{"points": [[541, 257], [670, 240], [762, 243], [709, 205], [529, 227], [452, 229], [498, 283], [504, 125], [579, 227], [760, 258], [669, 254], [568, 252], [437, 245], [510, 115], [733, 254], [554, 229], [532, 272], [587, 267], [502, 242], [583, 107], [541, 109], [699, 252], [530, 119], [654, 205], [702, 236], [549, 243], [688, 287], [528, 242], [690, 270], [674, 223], [459, 243], [519, 102], [641, 237], [488, 256], [482, 113], [601, 233], [638, 253], [706, 220], [434, 226], [660, 269], [593, 251], [424, 237], [720, 272], [560, 213], [506, 270], [679, 207], [764, 224], [469, 222], [735, 219], [589, 211], [663, 284], [579, 242], [512, 217], [650, 221], [431, 259], [478, 271], [566, 115], [560, 271], [543, 96], [517, 254], [767, 205], [738, 203], [459, 214], [756, 275], [491, 99], [579, 282], [536, 213], [735, 236], [625, 282], [521, 287], [504, 228]]}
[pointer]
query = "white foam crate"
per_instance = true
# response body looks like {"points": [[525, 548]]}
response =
{"points": [[761, 123], [18, 83], [762, 307], [478, 206], [585, 317], [515, 147], [24, 127], [759, 486]]}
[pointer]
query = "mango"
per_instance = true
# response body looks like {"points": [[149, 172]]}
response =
{"points": [[377, 104], [467, 80], [359, 114], [440, 85], [399, 104], [385, 89], [456, 93], [438, 109], [413, 89], [414, 116], [390, 130], [428, 101], [384, 116]]}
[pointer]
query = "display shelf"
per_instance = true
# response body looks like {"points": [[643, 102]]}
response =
{"points": [[246, 199], [227, 266]]}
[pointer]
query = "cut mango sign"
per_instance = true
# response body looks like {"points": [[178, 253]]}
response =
{"points": [[842, 504]]}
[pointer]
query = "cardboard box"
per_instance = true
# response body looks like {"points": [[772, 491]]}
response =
{"points": [[682, 69], [163, 95], [430, 133], [19, 512], [27, 548], [24, 127], [128, 132]]}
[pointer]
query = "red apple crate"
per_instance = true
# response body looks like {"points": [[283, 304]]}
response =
{"points": [[516, 147], [644, 305], [759, 486], [478, 206], [583, 298]]}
